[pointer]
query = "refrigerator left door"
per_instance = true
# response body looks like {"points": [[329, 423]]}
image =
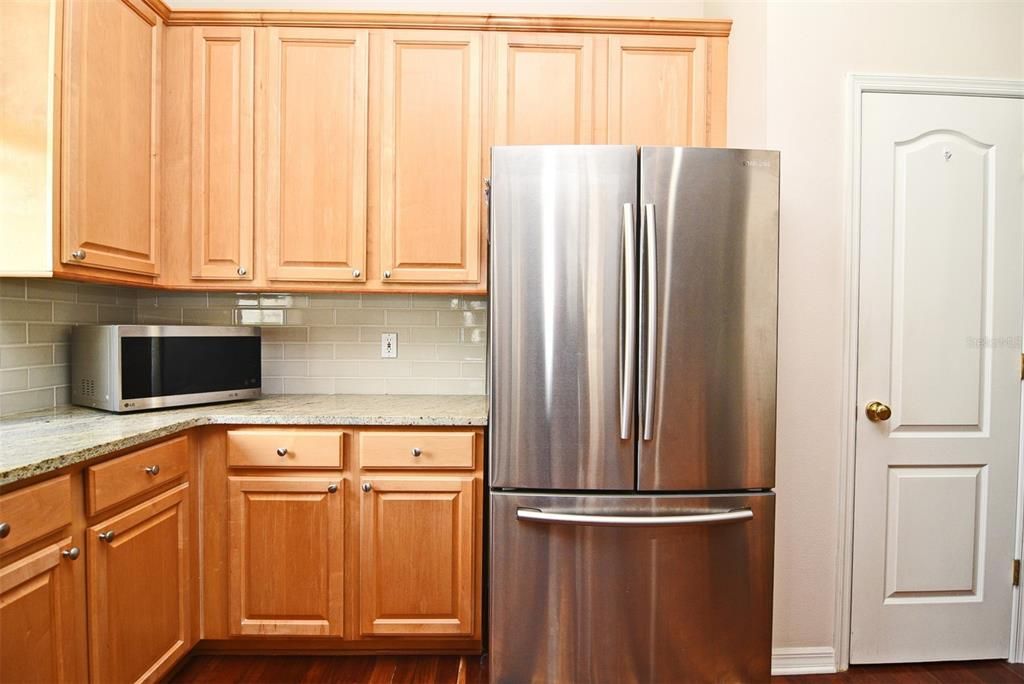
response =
{"points": [[563, 308]]}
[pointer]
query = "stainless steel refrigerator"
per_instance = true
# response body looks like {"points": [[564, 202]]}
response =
{"points": [[632, 413]]}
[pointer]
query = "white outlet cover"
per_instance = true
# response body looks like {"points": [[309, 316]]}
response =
{"points": [[389, 345]]}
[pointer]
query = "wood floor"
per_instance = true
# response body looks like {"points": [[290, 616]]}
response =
{"points": [[469, 670]]}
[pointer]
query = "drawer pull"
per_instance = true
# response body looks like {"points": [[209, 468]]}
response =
{"points": [[416, 452], [71, 554], [5, 529], [367, 486], [153, 470], [331, 488], [282, 452], [107, 536]]}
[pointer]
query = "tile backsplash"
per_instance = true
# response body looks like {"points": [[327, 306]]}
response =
{"points": [[312, 343]]}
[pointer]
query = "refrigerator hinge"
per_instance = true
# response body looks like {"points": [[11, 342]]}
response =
{"points": [[1016, 572]]}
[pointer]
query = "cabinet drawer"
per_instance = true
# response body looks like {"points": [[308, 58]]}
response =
{"points": [[33, 512], [285, 448], [118, 480], [416, 449]]}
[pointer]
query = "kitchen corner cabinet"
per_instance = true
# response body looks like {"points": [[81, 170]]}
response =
{"points": [[431, 133], [286, 555], [417, 548], [39, 600], [139, 585], [222, 153], [110, 147]]}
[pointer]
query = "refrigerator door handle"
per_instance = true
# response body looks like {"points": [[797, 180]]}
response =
{"points": [[600, 520], [649, 296], [627, 337]]}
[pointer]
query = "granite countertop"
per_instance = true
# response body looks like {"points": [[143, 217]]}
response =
{"points": [[43, 441]]}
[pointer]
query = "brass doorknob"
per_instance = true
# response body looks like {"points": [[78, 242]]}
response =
{"points": [[877, 411]]}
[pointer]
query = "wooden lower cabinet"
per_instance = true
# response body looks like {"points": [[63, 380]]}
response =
{"points": [[139, 585], [418, 567], [286, 547], [39, 605]]}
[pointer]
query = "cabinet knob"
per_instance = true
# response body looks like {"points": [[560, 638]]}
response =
{"points": [[241, 270], [153, 470], [107, 536], [331, 488], [416, 452], [356, 273], [282, 452], [367, 486], [387, 274], [78, 254], [71, 554], [5, 529]]}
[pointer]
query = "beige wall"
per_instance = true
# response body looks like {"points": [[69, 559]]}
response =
{"points": [[788, 66]]}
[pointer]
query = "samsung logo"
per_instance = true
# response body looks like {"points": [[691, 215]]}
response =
{"points": [[760, 163]]}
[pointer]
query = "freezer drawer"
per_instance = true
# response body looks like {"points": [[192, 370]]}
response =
{"points": [[602, 588]]}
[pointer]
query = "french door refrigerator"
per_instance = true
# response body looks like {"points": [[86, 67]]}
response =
{"points": [[632, 413]]}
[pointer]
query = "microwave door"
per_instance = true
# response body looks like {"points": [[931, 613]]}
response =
{"points": [[562, 256], [708, 310]]}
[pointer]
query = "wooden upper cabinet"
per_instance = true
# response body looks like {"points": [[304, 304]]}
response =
{"points": [[39, 610], [222, 153], [417, 570], [286, 544], [312, 148], [657, 90], [110, 145], [139, 585], [544, 92], [430, 142]]}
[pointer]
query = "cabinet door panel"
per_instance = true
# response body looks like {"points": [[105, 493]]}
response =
{"points": [[417, 565], [431, 180], [38, 610], [657, 90], [138, 590], [111, 138], [287, 548], [313, 119], [545, 89], [222, 144]]}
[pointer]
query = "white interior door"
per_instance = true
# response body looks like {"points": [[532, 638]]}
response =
{"points": [[941, 298]]}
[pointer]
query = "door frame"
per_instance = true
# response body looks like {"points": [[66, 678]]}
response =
{"points": [[857, 86]]}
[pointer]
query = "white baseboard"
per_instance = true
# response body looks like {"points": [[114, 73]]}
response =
{"points": [[805, 660]]}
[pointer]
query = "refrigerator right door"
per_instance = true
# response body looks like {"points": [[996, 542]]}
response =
{"points": [[708, 318]]}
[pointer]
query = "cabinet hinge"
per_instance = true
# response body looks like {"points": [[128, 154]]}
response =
{"points": [[487, 199], [1016, 572]]}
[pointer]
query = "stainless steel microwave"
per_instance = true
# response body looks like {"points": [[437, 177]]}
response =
{"points": [[135, 367]]}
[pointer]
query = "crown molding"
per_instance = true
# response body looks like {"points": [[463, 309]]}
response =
{"points": [[477, 22]]}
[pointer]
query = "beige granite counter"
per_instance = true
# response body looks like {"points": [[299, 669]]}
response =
{"points": [[43, 441]]}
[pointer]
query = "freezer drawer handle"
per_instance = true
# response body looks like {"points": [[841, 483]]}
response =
{"points": [[536, 515]]}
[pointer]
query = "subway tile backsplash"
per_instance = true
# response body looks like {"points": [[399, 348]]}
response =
{"points": [[312, 343]]}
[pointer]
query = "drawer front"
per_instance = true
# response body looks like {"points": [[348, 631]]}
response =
{"points": [[285, 448], [416, 449], [120, 479], [33, 512]]}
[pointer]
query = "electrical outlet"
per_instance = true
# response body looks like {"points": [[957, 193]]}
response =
{"points": [[389, 345]]}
